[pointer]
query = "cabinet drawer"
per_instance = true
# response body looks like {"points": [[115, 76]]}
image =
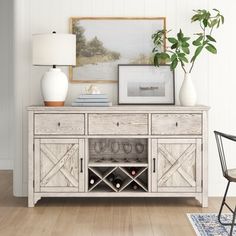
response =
{"points": [[174, 124], [118, 124], [62, 124]]}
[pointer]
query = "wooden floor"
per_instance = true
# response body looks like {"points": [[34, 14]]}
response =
{"points": [[96, 216]]}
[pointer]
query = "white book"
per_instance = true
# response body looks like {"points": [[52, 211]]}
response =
{"points": [[90, 96], [91, 104], [85, 100]]}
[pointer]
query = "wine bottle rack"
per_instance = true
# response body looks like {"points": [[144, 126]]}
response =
{"points": [[103, 184], [116, 156]]}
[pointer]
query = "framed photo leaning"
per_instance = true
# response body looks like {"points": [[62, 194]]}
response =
{"points": [[103, 43], [146, 84]]}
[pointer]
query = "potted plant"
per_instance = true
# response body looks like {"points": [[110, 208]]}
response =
{"points": [[178, 53]]}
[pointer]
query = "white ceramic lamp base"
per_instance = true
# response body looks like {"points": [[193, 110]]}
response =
{"points": [[54, 87]]}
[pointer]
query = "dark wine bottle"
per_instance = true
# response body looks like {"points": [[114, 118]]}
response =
{"points": [[92, 180], [111, 177], [134, 186], [133, 171], [118, 182]]}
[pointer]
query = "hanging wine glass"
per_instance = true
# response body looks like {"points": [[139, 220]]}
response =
{"points": [[139, 148], [115, 147], [127, 147], [99, 146]]}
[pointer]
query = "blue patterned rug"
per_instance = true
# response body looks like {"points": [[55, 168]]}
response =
{"points": [[207, 224]]}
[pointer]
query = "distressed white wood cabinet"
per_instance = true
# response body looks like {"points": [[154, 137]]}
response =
{"points": [[167, 146]]}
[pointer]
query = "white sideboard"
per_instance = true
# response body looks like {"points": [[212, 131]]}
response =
{"points": [[167, 145]]}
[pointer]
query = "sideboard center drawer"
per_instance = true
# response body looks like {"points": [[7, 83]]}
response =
{"points": [[55, 124], [176, 124], [133, 124]]}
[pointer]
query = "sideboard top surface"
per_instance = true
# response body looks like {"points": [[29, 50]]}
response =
{"points": [[127, 108]]}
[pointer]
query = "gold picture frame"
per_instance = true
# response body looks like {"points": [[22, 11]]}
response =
{"points": [[97, 60]]}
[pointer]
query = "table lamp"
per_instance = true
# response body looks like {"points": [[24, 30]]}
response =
{"points": [[54, 50]]}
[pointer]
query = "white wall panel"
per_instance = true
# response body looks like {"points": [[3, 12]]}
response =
{"points": [[6, 23], [214, 76]]}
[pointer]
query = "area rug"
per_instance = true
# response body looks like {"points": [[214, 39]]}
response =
{"points": [[207, 224]]}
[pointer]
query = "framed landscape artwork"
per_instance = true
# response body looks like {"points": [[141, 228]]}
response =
{"points": [[146, 84], [103, 43]]}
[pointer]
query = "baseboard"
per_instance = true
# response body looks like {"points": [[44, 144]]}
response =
{"points": [[6, 164]]}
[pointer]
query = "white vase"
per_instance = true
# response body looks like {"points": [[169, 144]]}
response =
{"points": [[187, 93], [54, 87]]}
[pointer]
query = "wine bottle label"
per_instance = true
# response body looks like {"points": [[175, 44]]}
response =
{"points": [[133, 172], [117, 185], [91, 181]]}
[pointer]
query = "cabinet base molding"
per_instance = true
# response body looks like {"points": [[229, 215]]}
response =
{"points": [[152, 151]]}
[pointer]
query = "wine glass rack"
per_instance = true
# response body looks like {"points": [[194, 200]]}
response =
{"points": [[118, 156]]}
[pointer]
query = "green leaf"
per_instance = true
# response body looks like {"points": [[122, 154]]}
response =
{"points": [[180, 35], [173, 57], [174, 46], [209, 37], [205, 22], [164, 56], [196, 43], [186, 39], [172, 40], [156, 59], [195, 17], [174, 64], [185, 44], [211, 48], [197, 52], [214, 9], [222, 19], [186, 50], [184, 59]]}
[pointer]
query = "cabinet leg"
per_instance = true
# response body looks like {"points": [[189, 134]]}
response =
{"points": [[199, 198], [36, 199], [204, 200], [30, 202]]}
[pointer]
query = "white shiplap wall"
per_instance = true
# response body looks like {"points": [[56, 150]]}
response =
{"points": [[213, 76], [6, 161]]}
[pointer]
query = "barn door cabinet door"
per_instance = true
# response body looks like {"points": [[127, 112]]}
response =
{"points": [[176, 165], [59, 165]]}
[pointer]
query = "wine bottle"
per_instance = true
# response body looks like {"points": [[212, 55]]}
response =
{"points": [[111, 177], [133, 171], [92, 180], [118, 182], [134, 186]]}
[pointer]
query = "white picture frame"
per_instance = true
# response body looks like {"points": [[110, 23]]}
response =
{"points": [[145, 84]]}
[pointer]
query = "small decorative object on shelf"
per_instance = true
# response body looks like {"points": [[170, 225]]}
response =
{"points": [[178, 53], [92, 100]]}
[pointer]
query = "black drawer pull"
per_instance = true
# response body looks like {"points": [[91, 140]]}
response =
{"points": [[59, 124], [117, 124], [176, 124], [154, 165], [81, 165]]}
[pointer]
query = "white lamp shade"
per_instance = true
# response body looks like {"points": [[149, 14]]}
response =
{"points": [[54, 49]]}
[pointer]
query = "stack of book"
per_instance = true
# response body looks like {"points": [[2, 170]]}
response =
{"points": [[92, 100]]}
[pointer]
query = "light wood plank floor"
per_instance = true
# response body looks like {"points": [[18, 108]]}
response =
{"points": [[96, 216]]}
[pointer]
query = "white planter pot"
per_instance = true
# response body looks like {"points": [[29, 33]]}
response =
{"points": [[187, 93], [54, 87]]}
